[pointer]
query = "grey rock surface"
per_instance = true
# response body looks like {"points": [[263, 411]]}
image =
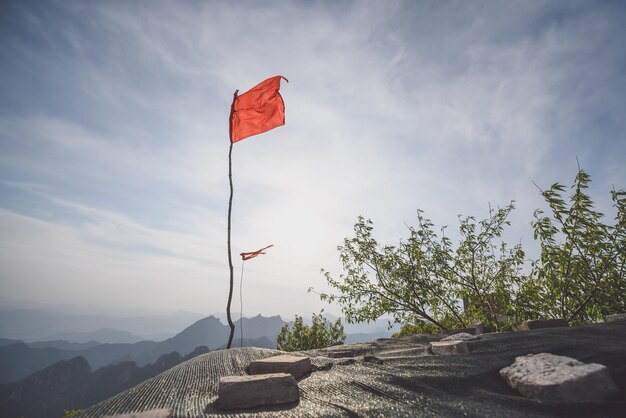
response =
{"points": [[615, 317], [541, 323], [406, 352], [296, 366], [347, 350], [461, 336], [549, 377], [153, 413], [237, 392], [443, 348], [464, 385]]}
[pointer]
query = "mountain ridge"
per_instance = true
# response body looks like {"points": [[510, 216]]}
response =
{"points": [[37, 325], [21, 359], [71, 384]]}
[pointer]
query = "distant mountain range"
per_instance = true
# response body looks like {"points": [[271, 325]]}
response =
{"points": [[102, 335], [19, 359], [72, 367], [50, 376], [40, 325], [30, 325], [70, 384], [370, 330]]}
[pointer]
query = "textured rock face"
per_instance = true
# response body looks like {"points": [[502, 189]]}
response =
{"points": [[615, 318], [461, 336], [153, 413], [443, 348], [296, 366], [258, 390], [541, 323], [406, 352], [548, 377]]}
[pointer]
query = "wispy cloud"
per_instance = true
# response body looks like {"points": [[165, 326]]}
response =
{"points": [[115, 116]]}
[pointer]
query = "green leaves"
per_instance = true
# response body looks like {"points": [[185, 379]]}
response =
{"points": [[427, 282], [424, 278], [320, 334], [580, 275]]}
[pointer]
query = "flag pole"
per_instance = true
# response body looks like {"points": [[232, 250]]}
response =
{"points": [[230, 207]]}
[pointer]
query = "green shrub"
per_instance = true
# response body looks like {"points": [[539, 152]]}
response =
{"points": [[426, 278], [419, 328], [301, 337]]}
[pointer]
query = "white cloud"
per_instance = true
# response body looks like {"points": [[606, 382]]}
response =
{"points": [[390, 107]]}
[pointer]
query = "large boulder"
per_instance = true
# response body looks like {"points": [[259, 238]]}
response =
{"points": [[549, 377]]}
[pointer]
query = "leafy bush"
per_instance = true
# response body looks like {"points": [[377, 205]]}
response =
{"points": [[420, 327], [427, 278], [320, 334], [580, 275]]}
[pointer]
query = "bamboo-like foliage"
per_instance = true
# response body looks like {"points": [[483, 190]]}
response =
{"points": [[580, 274]]}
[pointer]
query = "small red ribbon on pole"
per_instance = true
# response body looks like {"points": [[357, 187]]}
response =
{"points": [[248, 256]]}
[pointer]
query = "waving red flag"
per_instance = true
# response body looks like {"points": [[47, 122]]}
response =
{"points": [[258, 110], [248, 256]]}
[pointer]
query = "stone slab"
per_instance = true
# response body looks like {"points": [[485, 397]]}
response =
{"points": [[549, 377], [461, 336], [296, 366], [476, 328], [541, 323], [406, 352], [153, 413], [348, 350], [237, 392], [615, 317], [444, 348]]}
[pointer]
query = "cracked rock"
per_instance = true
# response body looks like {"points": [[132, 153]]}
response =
{"points": [[549, 377]]}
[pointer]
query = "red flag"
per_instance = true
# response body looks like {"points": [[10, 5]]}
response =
{"points": [[248, 256], [258, 110]]}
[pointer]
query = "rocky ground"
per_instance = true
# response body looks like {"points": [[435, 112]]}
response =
{"points": [[396, 377]]}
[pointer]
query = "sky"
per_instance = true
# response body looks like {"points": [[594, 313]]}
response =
{"points": [[114, 137]]}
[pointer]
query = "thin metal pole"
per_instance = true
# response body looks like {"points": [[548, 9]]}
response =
{"points": [[241, 304], [230, 207]]}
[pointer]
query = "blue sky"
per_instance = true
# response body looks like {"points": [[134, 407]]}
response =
{"points": [[114, 136]]}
